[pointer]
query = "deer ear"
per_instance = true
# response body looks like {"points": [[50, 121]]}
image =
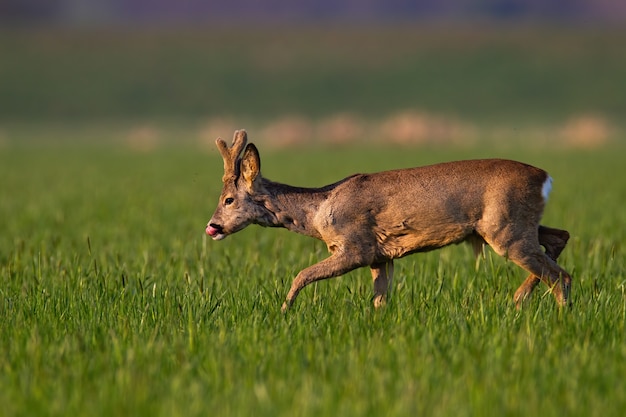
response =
{"points": [[250, 165]]}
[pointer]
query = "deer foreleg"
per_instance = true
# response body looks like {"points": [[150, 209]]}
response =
{"points": [[337, 264], [382, 275]]}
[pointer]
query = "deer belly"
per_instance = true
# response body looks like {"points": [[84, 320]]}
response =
{"points": [[399, 243]]}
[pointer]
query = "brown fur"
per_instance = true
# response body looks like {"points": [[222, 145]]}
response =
{"points": [[371, 219]]}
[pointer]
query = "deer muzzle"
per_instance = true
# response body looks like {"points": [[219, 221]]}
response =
{"points": [[215, 231]]}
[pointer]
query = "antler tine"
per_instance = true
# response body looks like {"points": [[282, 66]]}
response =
{"points": [[231, 155], [240, 138]]}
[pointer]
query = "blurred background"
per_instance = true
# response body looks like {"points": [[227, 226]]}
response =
{"points": [[436, 72]]}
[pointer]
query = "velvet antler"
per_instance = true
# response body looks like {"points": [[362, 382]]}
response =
{"points": [[231, 155]]}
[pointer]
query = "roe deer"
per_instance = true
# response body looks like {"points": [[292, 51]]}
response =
{"points": [[372, 219]]}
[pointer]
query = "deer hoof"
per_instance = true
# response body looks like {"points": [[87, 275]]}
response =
{"points": [[380, 301]]}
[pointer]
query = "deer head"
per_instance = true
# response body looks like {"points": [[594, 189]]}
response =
{"points": [[237, 207]]}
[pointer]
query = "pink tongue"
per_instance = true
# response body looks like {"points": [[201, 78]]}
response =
{"points": [[211, 231]]}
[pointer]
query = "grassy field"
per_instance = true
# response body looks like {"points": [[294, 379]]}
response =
{"points": [[113, 302], [483, 74]]}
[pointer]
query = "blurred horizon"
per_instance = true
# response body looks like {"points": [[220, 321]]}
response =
{"points": [[453, 71]]}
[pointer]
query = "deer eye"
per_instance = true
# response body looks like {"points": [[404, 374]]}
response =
{"points": [[229, 201]]}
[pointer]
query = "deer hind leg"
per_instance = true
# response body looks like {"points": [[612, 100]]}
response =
{"points": [[528, 254], [335, 265], [553, 241], [382, 275]]}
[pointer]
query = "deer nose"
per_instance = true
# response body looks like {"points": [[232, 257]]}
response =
{"points": [[213, 229]]}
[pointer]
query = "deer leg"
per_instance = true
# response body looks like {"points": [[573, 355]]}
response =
{"points": [[335, 265], [554, 241], [523, 292], [382, 275], [534, 260]]}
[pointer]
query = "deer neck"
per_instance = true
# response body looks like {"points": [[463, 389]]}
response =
{"points": [[293, 208]]}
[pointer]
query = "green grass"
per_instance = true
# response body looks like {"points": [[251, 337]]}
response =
{"points": [[113, 302]]}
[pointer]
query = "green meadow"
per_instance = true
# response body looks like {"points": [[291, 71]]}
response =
{"points": [[114, 302]]}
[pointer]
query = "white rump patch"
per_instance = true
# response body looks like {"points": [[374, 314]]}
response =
{"points": [[547, 187]]}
